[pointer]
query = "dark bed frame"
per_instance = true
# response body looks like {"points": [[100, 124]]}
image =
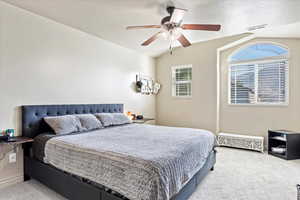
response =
{"points": [[68, 185]]}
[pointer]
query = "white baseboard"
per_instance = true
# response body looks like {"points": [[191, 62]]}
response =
{"points": [[11, 180]]}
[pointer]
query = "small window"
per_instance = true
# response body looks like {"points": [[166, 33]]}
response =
{"points": [[262, 79], [182, 81]]}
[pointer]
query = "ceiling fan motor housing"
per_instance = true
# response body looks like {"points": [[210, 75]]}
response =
{"points": [[165, 20], [170, 9]]}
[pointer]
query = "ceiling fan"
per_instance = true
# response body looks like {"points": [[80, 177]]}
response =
{"points": [[171, 27]]}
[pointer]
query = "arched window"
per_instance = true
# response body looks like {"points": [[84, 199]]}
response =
{"points": [[259, 75]]}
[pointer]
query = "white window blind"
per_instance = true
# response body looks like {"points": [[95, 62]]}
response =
{"points": [[242, 84], [182, 81], [261, 83]]}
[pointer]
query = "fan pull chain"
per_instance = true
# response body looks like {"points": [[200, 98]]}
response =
{"points": [[171, 48]]}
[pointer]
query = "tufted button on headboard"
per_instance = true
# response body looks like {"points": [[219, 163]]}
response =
{"points": [[32, 116]]}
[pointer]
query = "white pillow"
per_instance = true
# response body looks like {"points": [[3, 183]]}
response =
{"points": [[64, 124], [109, 119], [105, 118], [120, 118], [89, 122]]}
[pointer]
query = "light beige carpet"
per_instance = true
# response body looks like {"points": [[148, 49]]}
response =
{"points": [[238, 175]]}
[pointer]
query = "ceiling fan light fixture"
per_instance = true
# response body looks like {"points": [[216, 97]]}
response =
{"points": [[165, 34], [175, 34], [171, 28]]}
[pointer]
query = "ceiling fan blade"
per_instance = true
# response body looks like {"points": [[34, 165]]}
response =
{"points": [[154, 37], [204, 27], [142, 27], [184, 41], [177, 15]]}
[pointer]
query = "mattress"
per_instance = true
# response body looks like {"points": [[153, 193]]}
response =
{"points": [[39, 145], [138, 161]]}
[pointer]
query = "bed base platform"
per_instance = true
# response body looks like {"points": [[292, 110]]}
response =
{"points": [[74, 188]]}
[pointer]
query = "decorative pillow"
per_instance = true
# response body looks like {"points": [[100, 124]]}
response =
{"points": [[89, 122], [105, 118], [64, 124], [120, 118]]}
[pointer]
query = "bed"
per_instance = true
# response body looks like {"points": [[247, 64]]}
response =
{"points": [[129, 161]]}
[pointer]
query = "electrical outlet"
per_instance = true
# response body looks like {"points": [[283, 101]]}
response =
{"points": [[12, 158]]}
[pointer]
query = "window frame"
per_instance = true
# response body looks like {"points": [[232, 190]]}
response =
{"points": [[174, 82], [255, 63]]}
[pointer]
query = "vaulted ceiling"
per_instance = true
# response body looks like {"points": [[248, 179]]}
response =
{"points": [[107, 19]]}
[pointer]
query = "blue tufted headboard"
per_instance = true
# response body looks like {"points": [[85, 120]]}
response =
{"points": [[32, 116]]}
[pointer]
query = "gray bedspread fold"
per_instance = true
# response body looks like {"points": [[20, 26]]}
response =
{"points": [[141, 162]]}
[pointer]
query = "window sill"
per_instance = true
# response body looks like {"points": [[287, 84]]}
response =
{"points": [[258, 105], [182, 97]]}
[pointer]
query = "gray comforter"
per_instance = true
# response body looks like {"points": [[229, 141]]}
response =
{"points": [[141, 162]]}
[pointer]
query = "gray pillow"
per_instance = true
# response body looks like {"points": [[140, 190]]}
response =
{"points": [[64, 124], [105, 118], [120, 118], [89, 122]]}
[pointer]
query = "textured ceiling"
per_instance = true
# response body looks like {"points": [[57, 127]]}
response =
{"points": [[107, 19], [283, 31]]}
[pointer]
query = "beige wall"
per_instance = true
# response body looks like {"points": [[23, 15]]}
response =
{"points": [[200, 110], [43, 62], [256, 120]]}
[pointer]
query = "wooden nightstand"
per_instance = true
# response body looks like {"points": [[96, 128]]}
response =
{"points": [[142, 121], [14, 141], [11, 161], [19, 140]]}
